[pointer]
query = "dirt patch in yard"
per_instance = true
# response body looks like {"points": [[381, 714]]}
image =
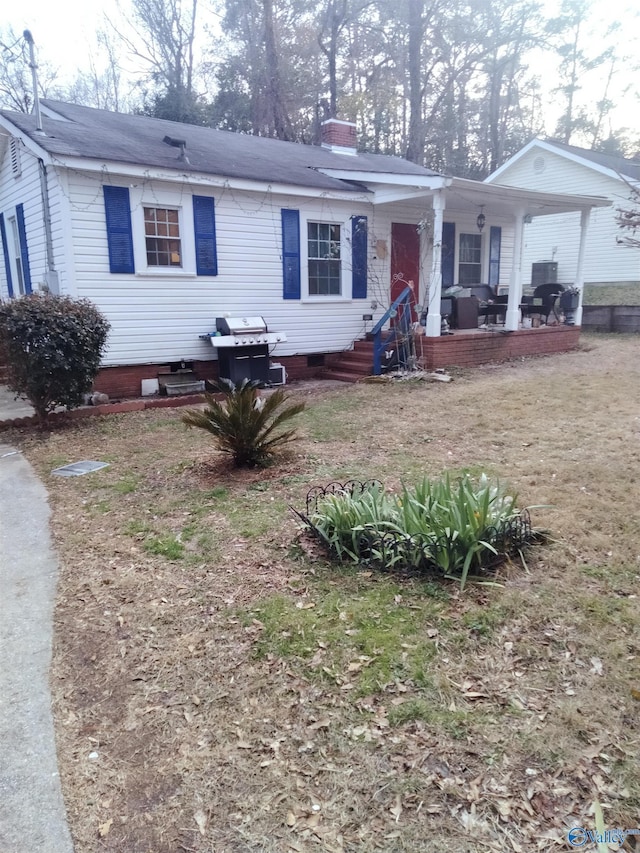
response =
{"points": [[219, 686]]}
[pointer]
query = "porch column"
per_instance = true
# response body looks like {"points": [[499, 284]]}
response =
{"points": [[434, 320], [579, 282], [512, 319]]}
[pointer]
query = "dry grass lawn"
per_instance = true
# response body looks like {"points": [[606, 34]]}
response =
{"points": [[218, 686]]}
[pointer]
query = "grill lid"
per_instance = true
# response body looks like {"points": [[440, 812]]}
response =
{"points": [[240, 325]]}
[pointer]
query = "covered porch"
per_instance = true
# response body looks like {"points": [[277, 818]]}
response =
{"points": [[472, 237], [451, 237]]}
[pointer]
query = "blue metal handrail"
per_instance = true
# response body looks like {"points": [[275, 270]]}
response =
{"points": [[403, 325]]}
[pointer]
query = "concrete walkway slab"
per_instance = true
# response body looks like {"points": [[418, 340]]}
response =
{"points": [[32, 815], [10, 408]]}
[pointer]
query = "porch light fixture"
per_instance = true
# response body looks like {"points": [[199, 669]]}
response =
{"points": [[480, 221]]}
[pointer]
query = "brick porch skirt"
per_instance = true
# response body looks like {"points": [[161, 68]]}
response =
{"points": [[473, 349]]}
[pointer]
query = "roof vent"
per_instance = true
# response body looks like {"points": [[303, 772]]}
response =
{"points": [[339, 136], [538, 165], [178, 143], [16, 164]]}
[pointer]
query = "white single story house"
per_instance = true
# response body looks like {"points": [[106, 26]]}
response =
{"points": [[167, 227], [548, 166]]}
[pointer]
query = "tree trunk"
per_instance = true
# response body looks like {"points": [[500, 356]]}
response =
{"points": [[275, 100], [416, 141]]}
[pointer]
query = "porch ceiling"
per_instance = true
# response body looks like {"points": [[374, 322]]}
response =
{"points": [[464, 194]]}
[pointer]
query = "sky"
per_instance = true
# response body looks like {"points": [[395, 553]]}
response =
{"points": [[64, 34], [62, 30]]}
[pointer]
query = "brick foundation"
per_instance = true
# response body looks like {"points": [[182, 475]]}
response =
{"points": [[126, 381]]}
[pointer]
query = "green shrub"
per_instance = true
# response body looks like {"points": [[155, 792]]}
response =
{"points": [[52, 346], [244, 424], [456, 529]]}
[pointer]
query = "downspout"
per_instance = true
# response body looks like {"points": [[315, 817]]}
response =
{"points": [[51, 283]]}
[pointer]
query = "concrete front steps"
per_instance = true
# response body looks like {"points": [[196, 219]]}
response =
{"points": [[352, 365]]}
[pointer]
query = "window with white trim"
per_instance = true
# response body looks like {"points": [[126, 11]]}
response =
{"points": [[470, 259], [162, 237], [15, 257], [324, 258]]}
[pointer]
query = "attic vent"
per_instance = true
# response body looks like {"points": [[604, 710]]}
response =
{"points": [[16, 165], [538, 165], [178, 143]]}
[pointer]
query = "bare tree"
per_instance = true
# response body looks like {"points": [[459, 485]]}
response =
{"points": [[628, 218], [16, 87], [163, 36]]}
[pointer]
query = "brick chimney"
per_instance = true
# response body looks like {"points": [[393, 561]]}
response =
{"points": [[339, 136]]}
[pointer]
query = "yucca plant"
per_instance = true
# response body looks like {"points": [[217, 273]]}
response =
{"points": [[244, 424]]}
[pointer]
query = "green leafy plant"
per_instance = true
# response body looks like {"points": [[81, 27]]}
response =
{"points": [[244, 424], [53, 346], [454, 528]]}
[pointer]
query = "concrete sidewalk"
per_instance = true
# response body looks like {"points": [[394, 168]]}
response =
{"points": [[11, 408], [32, 814]]}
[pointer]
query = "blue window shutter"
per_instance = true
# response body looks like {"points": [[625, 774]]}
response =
{"points": [[5, 252], [359, 257], [118, 214], [448, 253], [495, 238], [204, 225], [24, 251], [290, 253]]}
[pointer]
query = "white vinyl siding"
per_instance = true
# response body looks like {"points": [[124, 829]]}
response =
{"points": [[557, 237], [23, 190], [157, 315]]}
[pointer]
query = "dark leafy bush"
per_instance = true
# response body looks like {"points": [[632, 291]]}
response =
{"points": [[245, 424], [52, 346]]}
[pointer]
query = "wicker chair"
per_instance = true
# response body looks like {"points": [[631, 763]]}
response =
{"points": [[543, 301]]}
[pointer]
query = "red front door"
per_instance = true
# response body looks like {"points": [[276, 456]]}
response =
{"points": [[405, 262]]}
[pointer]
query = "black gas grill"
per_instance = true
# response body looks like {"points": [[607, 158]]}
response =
{"points": [[243, 347]]}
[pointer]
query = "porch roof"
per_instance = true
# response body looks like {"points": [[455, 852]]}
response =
{"points": [[504, 200], [464, 195]]}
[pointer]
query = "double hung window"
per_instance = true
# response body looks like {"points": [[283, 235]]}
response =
{"points": [[470, 259], [162, 237], [16, 257], [324, 259]]}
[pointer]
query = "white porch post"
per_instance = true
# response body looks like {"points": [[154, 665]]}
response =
{"points": [[512, 320], [434, 320], [579, 282]]}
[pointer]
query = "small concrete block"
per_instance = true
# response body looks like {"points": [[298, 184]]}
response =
{"points": [[150, 387]]}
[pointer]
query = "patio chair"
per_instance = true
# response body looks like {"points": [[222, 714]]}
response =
{"points": [[543, 301]]}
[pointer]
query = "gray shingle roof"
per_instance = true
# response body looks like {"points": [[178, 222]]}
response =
{"points": [[137, 140], [622, 165]]}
